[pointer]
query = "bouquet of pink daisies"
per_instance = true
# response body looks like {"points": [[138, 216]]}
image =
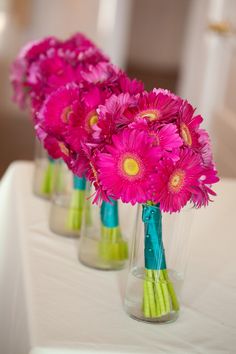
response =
{"points": [[41, 68], [149, 148], [23, 82], [69, 115]]}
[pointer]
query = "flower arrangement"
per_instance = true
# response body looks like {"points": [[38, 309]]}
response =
{"points": [[132, 145], [69, 115], [150, 149], [64, 82], [42, 67]]}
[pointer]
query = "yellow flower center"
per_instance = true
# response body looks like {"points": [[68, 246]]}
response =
{"points": [[151, 114], [185, 133], [176, 181], [131, 166], [65, 114], [93, 120]]}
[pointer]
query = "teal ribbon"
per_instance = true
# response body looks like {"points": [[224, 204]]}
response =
{"points": [[153, 246], [79, 183], [50, 159], [109, 213]]}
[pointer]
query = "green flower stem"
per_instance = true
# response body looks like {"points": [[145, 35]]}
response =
{"points": [[151, 294], [47, 184], [74, 220], [174, 300], [145, 305], [59, 178], [159, 297], [112, 247], [77, 204], [87, 210]]}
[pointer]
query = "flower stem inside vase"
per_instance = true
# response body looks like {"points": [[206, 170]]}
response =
{"points": [[47, 183], [77, 204], [159, 297], [112, 246]]}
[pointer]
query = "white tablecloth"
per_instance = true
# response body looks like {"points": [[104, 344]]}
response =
{"points": [[49, 303]]}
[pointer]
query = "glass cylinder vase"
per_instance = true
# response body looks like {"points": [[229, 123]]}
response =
{"points": [[103, 243], [43, 172], [67, 202], [159, 254]]}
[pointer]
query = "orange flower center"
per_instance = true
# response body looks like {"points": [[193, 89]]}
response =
{"points": [[92, 119], [151, 114], [185, 133], [94, 171], [176, 181], [65, 114], [63, 148]]}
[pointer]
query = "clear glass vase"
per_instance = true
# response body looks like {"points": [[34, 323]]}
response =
{"points": [[43, 172], [159, 255], [103, 244], [67, 202]]}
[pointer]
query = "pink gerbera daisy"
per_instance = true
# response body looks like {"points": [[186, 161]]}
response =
{"points": [[52, 147], [166, 137], [20, 91], [175, 183], [133, 87], [55, 148], [204, 191], [205, 148], [19, 69], [188, 125], [77, 41], [86, 118], [49, 73], [91, 152], [156, 107], [110, 114], [33, 50], [80, 49], [126, 168], [100, 73], [59, 109]]}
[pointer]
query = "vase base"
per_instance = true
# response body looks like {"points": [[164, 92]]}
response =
{"points": [[152, 306], [137, 315], [91, 256], [43, 178], [91, 263], [58, 222], [63, 233], [41, 195]]}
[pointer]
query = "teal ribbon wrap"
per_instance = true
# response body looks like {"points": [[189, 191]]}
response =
{"points": [[50, 159], [79, 183], [153, 246], [109, 213]]}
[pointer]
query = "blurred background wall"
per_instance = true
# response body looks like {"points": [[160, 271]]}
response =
{"points": [[165, 43], [156, 40]]}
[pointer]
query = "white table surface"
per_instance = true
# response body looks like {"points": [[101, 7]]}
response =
{"points": [[51, 304]]}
